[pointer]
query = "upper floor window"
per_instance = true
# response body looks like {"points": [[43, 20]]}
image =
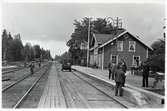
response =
{"points": [[132, 46], [119, 45]]}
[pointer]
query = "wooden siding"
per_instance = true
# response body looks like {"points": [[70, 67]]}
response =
{"points": [[109, 49]]}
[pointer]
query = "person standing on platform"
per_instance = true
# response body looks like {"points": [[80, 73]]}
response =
{"points": [[109, 69], [124, 68], [145, 74], [119, 79], [114, 67]]}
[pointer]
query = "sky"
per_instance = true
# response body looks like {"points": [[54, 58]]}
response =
{"points": [[51, 24]]}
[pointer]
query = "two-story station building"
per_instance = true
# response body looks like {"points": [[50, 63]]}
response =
{"points": [[121, 44]]}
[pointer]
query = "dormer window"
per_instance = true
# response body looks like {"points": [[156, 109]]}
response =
{"points": [[132, 46], [119, 45]]}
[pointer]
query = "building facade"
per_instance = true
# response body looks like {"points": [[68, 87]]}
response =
{"points": [[117, 46]]}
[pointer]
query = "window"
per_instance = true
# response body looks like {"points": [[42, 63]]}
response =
{"points": [[136, 61], [119, 45], [132, 46], [114, 59], [126, 36]]}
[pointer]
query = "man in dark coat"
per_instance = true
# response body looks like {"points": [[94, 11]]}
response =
{"points": [[145, 74], [124, 68], [119, 79], [109, 69], [113, 69]]}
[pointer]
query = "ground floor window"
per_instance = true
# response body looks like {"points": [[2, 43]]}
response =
{"points": [[114, 59], [136, 61]]}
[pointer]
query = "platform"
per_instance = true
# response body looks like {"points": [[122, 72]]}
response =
{"points": [[52, 96], [133, 89], [131, 80]]}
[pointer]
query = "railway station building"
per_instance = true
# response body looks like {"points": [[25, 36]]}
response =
{"points": [[121, 44]]}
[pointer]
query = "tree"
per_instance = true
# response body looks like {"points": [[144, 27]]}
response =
{"points": [[100, 26], [80, 34], [45, 54], [13, 49], [37, 51], [4, 44], [27, 51], [17, 48], [157, 56], [32, 54], [65, 57], [9, 53], [58, 58]]}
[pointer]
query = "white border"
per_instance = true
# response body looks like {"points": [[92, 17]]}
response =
{"points": [[89, 1], [77, 1]]}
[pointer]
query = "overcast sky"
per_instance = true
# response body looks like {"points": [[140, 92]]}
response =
{"points": [[51, 24]]}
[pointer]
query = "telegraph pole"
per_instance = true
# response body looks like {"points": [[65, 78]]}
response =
{"points": [[117, 23], [164, 28], [88, 42]]}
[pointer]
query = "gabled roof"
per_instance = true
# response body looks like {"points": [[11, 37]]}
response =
{"points": [[119, 35], [114, 38], [102, 38], [136, 37]]}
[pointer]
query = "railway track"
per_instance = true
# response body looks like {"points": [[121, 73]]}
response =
{"points": [[12, 70], [70, 85], [103, 92], [19, 80], [21, 89], [17, 105]]}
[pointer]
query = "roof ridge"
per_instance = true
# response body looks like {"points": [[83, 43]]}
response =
{"points": [[117, 36], [111, 33]]}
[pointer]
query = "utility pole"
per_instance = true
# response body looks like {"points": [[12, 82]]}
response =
{"points": [[164, 28], [88, 42], [117, 23]]}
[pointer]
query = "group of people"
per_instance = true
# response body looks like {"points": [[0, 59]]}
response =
{"points": [[117, 73], [32, 66]]}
